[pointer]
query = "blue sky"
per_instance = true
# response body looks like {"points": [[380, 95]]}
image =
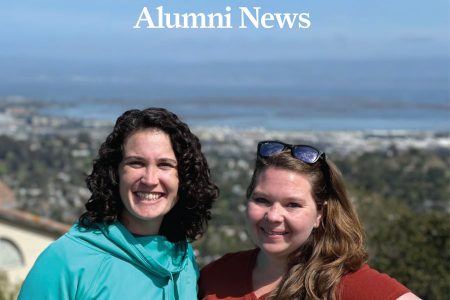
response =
{"points": [[102, 30], [64, 42]]}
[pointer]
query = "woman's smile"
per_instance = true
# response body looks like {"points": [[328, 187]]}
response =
{"points": [[149, 196]]}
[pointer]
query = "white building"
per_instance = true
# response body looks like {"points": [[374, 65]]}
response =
{"points": [[23, 236]]}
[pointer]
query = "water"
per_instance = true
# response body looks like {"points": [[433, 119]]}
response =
{"points": [[283, 113], [322, 95]]}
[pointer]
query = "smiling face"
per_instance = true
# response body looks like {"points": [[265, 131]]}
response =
{"points": [[148, 180], [281, 212]]}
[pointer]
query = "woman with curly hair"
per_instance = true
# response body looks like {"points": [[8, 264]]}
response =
{"points": [[151, 195], [310, 242]]}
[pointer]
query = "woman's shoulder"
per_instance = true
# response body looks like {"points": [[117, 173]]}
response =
{"points": [[368, 283], [64, 254], [231, 260], [229, 275], [69, 244]]}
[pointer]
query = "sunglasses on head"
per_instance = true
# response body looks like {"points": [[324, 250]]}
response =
{"points": [[305, 153]]}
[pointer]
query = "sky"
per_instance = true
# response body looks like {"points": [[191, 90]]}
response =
{"points": [[103, 30], [76, 45]]}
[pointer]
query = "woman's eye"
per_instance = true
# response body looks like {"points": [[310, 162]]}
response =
{"points": [[135, 164], [261, 201], [293, 205], [166, 166]]}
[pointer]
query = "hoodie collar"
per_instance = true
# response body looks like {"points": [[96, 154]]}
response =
{"points": [[155, 253]]}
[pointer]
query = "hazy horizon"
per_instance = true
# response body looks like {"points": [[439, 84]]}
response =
{"points": [[382, 60]]}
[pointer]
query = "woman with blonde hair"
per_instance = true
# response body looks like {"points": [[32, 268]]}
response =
{"points": [[310, 242]]}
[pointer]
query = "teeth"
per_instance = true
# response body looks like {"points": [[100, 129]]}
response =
{"points": [[275, 232], [148, 196]]}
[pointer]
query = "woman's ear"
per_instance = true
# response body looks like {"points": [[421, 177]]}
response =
{"points": [[320, 212]]}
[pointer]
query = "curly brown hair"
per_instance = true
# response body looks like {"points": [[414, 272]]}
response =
{"points": [[333, 249], [196, 192]]}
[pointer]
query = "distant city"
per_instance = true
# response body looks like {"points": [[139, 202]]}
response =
{"points": [[23, 119]]}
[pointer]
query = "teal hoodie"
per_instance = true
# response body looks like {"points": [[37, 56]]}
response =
{"points": [[110, 263]]}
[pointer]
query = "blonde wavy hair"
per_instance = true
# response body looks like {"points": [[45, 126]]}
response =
{"points": [[333, 249]]}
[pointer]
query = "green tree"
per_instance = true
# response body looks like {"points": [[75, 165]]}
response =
{"points": [[413, 247]]}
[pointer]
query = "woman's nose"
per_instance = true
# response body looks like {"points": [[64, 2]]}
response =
{"points": [[150, 176], [275, 213]]}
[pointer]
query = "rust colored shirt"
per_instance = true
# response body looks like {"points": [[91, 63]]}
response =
{"points": [[230, 278]]}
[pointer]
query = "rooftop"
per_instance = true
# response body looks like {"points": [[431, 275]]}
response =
{"points": [[33, 222]]}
